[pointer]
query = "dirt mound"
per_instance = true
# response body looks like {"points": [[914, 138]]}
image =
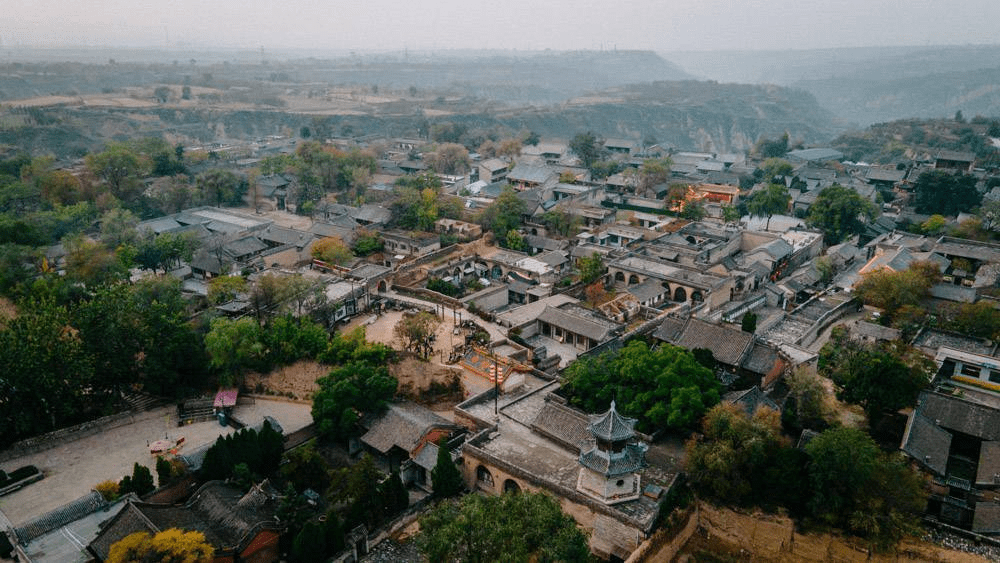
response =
{"points": [[296, 381]]}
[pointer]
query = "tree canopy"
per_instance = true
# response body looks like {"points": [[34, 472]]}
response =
{"points": [[504, 215], [348, 392], [840, 212], [169, 545], [880, 378], [771, 200], [939, 191], [663, 388], [512, 527]]}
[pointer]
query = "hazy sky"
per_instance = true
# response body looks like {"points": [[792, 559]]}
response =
{"points": [[660, 25]]}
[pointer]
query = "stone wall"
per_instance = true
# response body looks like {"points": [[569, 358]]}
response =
{"points": [[55, 438], [773, 538]]}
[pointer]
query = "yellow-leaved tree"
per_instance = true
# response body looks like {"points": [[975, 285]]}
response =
{"points": [[173, 545]]}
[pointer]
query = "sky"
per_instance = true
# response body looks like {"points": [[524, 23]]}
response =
{"points": [[393, 25]]}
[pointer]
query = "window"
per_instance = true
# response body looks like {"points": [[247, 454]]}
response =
{"points": [[620, 483], [970, 371]]}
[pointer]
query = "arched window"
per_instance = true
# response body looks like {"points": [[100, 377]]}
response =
{"points": [[680, 294], [697, 297], [511, 486], [484, 477], [619, 277], [633, 279]]}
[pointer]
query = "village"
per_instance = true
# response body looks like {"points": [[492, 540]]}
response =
{"points": [[503, 280]]}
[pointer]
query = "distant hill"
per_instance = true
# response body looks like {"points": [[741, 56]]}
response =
{"points": [[861, 86]]}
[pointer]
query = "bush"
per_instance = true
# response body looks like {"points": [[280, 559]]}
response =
{"points": [[108, 490]]}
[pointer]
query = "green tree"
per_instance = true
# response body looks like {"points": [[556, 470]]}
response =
{"points": [[118, 227], [220, 186], [694, 211], [140, 482], [164, 471], [222, 289], [591, 268], [890, 290], [840, 212], [880, 378], [769, 201], [309, 544], [416, 331], [737, 453], [772, 149], [445, 478], [504, 215], [775, 167], [587, 147], [859, 489], [47, 372], [730, 214], [749, 322], [662, 388], [521, 527], [120, 168], [233, 347], [942, 192], [348, 392]]}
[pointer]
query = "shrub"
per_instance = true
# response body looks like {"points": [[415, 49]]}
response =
{"points": [[108, 490]]}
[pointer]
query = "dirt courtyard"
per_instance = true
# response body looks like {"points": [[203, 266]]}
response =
{"points": [[72, 469]]}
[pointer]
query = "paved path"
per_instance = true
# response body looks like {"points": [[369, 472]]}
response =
{"points": [[72, 469]]}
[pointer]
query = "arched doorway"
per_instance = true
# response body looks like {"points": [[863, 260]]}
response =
{"points": [[680, 294], [697, 297], [496, 273], [381, 286], [619, 277], [484, 478], [511, 486], [633, 279]]}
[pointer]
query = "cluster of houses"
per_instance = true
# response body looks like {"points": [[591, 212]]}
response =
{"points": [[671, 280]]}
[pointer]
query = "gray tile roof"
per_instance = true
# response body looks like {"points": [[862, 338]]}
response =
{"points": [[927, 443], [670, 329], [750, 400], [574, 324], [129, 521], [648, 290], [629, 460], [728, 345], [986, 520], [960, 415], [761, 359], [87, 504], [402, 425], [988, 472], [531, 174], [564, 425], [611, 426]]}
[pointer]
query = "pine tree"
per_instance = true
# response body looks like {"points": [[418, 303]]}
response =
{"points": [[394, 495], [163, 471], [142, 480], [445, 478]]}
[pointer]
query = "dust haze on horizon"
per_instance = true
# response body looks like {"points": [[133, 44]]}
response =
{"points": [[390, 25]]}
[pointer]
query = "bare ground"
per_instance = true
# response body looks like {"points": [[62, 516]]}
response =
{"points": [[299, 379]]}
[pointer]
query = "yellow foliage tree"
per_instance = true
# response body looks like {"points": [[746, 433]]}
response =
{"points": [[172, 546]]}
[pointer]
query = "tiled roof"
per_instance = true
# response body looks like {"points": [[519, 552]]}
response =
{"points": [[988, 472], [927, 443], [403, 425], [87, 504], [963, 416], [564, 425], [670, 329], [750, 400], [728, 345], [574, 324], [129, 521], [629, 460], [647, 290], [986, 520], [612, 426], [761, 359]]}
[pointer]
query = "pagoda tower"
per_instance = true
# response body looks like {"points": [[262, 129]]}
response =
{"points": [[609, 471]]}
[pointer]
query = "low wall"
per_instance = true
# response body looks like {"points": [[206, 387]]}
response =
{"points": [[55, 438], [769, 537]]}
